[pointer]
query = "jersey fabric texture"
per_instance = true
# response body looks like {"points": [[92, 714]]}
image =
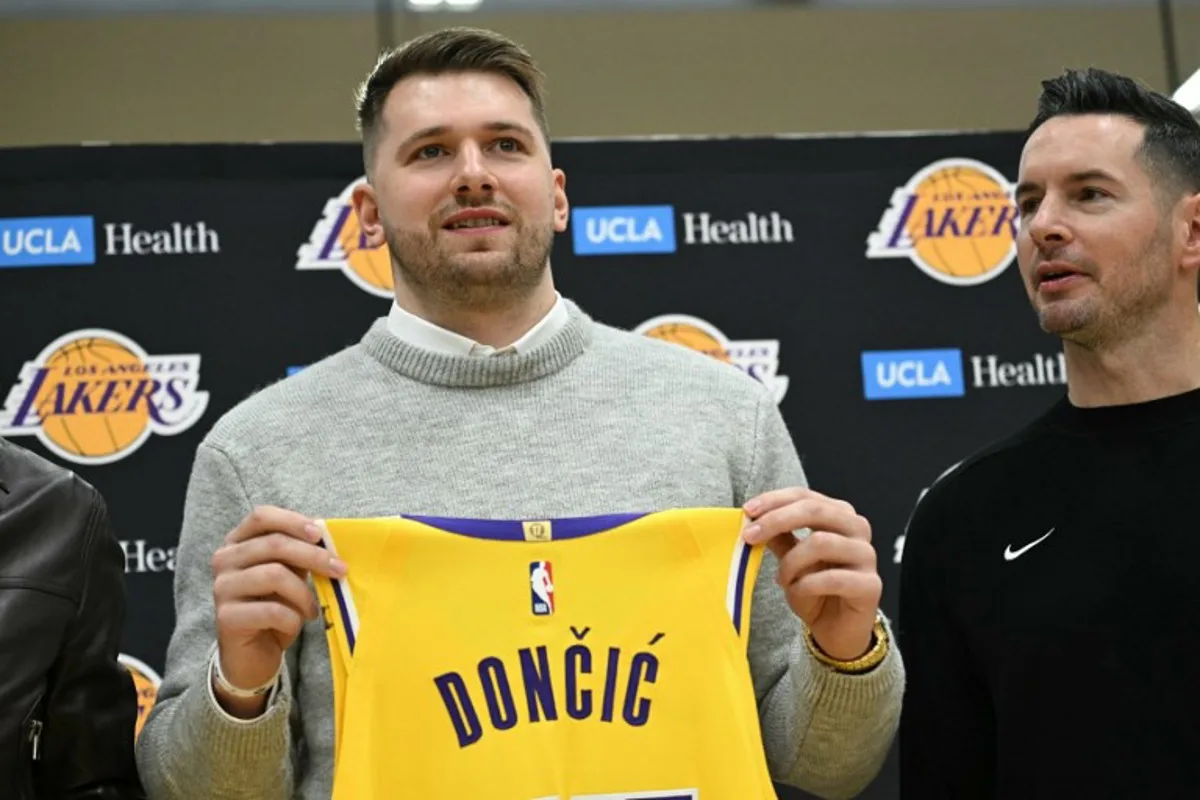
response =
{"points": [[590, 657], [1048, 613]]}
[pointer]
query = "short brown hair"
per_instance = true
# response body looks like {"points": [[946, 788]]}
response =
{"points": [[457, 49]]}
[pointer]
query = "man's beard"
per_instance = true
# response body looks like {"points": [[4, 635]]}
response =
{"points": [[1100, 320], [459, 279]]}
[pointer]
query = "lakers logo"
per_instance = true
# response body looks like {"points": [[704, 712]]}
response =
{"points": [[94, 396], [146, 681], [337, 242], [955, 220], [759, 358]]}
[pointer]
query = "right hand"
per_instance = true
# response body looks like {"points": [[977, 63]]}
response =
{"points": [[262, 598]]}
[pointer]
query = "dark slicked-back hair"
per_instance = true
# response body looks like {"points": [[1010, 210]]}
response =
{"points": [[441, 52], [1170, 149]]}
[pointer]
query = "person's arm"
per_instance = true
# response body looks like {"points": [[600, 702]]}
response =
{"points": [[825, 732], [190, 747], [91, 704], [947, 741]]}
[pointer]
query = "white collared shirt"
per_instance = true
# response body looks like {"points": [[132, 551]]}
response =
{"points": [[414, 330]]}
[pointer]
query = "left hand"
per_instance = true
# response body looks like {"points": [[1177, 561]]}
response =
{"points": [[829, 577]]}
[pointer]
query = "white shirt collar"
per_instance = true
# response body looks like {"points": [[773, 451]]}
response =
{"points": [[421, 333]]}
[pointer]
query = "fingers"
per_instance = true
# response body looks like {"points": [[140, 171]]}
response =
{"points": [[266, 519], [768, 501], [300, 556], [808, 510], [778, 498], [260, 616], [781, 545], [270, 582], [860, 590], [260, 573], [824, 549]]}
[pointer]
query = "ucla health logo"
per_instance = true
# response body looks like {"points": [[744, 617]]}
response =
{"points": [[910, 374], [47, 241], [623, 230]]}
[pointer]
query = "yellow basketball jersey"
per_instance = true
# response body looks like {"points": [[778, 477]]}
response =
{"points": [[597, 658]]}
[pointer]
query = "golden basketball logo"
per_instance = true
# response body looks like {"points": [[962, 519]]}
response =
{"points": [[759, 358], [955, 219], [94, 396], [337, 242], [146, 681]]}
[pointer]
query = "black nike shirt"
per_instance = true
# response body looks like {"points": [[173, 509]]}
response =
{"points": [[1050, 613]]}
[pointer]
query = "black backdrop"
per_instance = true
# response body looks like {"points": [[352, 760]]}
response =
{"points": [[932, 321]]}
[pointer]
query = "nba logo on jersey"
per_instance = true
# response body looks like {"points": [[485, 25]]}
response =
{"points": [[541, 585]]}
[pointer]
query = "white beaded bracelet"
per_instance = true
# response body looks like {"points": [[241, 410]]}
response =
{"points": [[229, 688]]}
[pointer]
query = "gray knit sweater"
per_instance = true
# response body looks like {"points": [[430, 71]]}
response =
{"points": [[594, 421]]}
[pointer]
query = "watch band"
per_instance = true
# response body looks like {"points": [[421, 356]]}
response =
{"points": [[865, 662], [229, 688]]}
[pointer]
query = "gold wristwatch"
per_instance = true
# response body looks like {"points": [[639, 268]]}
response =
{"points": [[865, 662]]}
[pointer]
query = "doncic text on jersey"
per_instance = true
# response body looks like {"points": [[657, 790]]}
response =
{"points": [[619, 699]]}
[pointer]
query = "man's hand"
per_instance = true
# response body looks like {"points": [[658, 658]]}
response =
{"points": [[829, 577], [262, 599]]}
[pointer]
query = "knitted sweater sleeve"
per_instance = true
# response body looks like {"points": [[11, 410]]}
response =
{"points": [[824, 732], [189, 747]]}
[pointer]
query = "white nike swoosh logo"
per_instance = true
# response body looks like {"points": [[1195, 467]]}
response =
{"points": [[1010, 554]]}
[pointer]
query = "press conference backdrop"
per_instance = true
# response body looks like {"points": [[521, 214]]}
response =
{"points": [[868, 281]]}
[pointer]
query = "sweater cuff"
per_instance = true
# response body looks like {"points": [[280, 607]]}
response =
{"points": [[849, 692], [231, 739], [272, 695]]}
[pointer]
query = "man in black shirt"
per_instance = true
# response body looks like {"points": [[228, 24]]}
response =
{"points": [[1050, 588]]}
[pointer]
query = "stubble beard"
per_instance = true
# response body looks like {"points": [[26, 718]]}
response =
{"points": [[1099, 318], [475, 279]]}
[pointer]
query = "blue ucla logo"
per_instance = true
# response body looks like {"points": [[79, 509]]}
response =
{"points": [[623, 230], [912, 374], [47, 241]]}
